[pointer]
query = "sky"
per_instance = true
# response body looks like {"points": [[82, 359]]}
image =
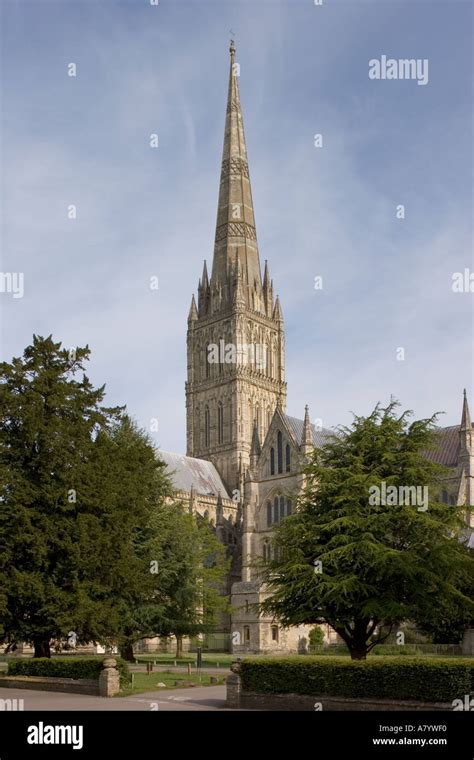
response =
{"points": [[327, 211]]}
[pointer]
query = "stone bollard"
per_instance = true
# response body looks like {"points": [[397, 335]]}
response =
{"points": [[233, 691], [109, 678]]}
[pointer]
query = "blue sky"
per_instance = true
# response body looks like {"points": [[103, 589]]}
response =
{"points": [[387, 283]]}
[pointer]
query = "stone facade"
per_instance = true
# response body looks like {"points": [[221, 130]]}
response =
{"points": [[244, 460]]}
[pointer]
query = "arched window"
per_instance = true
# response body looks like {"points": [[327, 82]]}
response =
{"points": [[257, 416], [275, 509], [289, 506], [280, 452], [288, 458], [220, 423], [282, 507], [275, 633], [269, 513], [272, 461], [207, 427]]}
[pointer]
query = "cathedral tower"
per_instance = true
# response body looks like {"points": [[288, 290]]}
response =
{"points": [[235, 340]]}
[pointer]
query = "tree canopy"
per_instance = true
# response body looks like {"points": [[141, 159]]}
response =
{"points": [[90, 540], [362, 552]]}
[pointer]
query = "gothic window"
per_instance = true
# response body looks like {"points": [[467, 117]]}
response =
{"points": [[275, 633], [444, 497], [289, 506], [207, 427], [282, 507], [275, 509], [280, 452], [269, 417], [272, 461], [257, 417], [246, 634], [221, 358], [288, 458], [220, 423], [197, 421], [269, 513]]}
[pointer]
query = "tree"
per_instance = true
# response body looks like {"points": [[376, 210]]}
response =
{"points": [[358, 554], [195, 574], [79, 483]]}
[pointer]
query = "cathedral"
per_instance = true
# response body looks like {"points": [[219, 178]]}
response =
{"points": [[244, 458]]}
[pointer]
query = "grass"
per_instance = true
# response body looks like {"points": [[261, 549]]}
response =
{"points": [[142, 682], [209, 660]]}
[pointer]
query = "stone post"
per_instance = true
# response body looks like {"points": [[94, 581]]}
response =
{"points": [[234, 687], [109, 678]]}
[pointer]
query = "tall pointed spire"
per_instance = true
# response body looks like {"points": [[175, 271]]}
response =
{"points": [[466, 416], [193, 312], [307, 434], [255, 448], [235, 228], [277, 313]]}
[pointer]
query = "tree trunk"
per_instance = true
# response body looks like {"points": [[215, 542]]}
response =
{"points": [[358, 653], [126, 652], [179, 647], [42, 648]]}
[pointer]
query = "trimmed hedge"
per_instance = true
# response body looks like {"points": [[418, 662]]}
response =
{"points": [[426, 680], [76, 668]]}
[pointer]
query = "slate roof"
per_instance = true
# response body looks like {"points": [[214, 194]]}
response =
{"points": [[447, 449], [187, 472], [320, 437]]}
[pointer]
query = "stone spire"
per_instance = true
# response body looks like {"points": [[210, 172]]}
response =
{"points": [[193, 312], [466, 417], [307, 434], [255, 448], [235, 226], [466, 432], [277, 312]]}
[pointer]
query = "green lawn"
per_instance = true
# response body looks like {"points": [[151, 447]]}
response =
{"points": [[143, 682], [209, 660]]}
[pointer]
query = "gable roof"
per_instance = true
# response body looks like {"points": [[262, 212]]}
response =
{"points": [[320, 437], [188, 472], [447, 448]]}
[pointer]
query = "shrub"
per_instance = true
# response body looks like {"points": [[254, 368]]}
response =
{"points": [[316, 638], [75, 668], [433, 680]]}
